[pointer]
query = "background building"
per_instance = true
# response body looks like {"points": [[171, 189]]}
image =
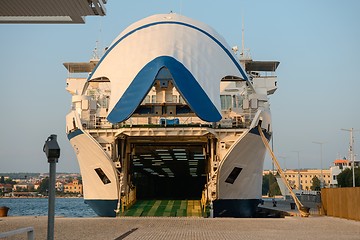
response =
{"points": [[306, 177], [339, 166], [73, 187]]}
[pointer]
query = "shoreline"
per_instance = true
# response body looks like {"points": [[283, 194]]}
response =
{"points": [[37, 197]]}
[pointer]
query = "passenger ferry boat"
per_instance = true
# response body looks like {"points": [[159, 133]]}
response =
{"points": [[170, 112]]}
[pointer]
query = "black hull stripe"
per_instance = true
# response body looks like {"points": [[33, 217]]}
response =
{"points": [[74, 134]]}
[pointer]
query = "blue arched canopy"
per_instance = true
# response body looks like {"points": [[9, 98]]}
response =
{"points": [[184, 82]]}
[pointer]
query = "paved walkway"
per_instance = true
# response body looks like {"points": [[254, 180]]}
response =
{"points": [[319, 228], [197, 228]]}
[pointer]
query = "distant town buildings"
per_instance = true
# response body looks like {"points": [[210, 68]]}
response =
{"points": [[28, 186], [5, 187], [306, 178], [73, 187], [59, 185], [23, 186], [327, 176]]}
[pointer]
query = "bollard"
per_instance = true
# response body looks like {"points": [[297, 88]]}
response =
{"points": [[211, 210], [4, 211]]}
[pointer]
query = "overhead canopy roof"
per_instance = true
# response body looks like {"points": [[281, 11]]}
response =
{"points": [[80, 67], [49, 11], [261, 66]]}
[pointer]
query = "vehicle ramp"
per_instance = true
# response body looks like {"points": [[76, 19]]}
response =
{"points": [[165, 208]]}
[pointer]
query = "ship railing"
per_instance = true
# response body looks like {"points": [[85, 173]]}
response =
{"points": [[238, 121], [242, 125], [28, 230]]}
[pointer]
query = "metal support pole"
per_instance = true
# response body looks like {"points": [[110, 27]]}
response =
{"points": [[299, 170], [51, 198], [321, 167], [322, 183], [352, 155], [298, 156], [52, 151], [351, 152]]}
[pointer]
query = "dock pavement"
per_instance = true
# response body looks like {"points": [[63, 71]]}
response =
{"points": [[197, 228]]}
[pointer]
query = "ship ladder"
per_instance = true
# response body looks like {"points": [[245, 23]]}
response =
{"points": [[304, 211]]}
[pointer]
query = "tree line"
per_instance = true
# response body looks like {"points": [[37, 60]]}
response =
{"points": [[345, 178]]}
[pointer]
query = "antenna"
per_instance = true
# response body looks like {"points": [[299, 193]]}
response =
{"points": [[96, 51], [181, 6], [245, 53], [242, 37]]}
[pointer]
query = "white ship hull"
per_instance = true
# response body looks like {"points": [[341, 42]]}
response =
{"points": [[237, 198], [241, 198]]}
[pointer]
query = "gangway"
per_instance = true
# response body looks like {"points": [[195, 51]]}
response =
{"points": [[304, 211]]}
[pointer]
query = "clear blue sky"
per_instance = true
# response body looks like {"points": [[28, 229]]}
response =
{"points": [[317, 43]]}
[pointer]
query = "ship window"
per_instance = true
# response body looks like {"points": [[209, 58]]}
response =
{"points": [[225, 102], [233, 175], [153, 98], [234, 101], [102, 176], [237, 101]]}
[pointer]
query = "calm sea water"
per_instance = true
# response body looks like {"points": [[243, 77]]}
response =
{"points": [[66, 207]]}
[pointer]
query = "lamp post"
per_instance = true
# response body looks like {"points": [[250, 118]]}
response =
{"points": [[286, 191], [52, 151], [298, 155], [351, 151], [284, 157], [321, 167]]}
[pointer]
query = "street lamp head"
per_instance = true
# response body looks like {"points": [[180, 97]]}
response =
{"points": [[51, 148]]}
